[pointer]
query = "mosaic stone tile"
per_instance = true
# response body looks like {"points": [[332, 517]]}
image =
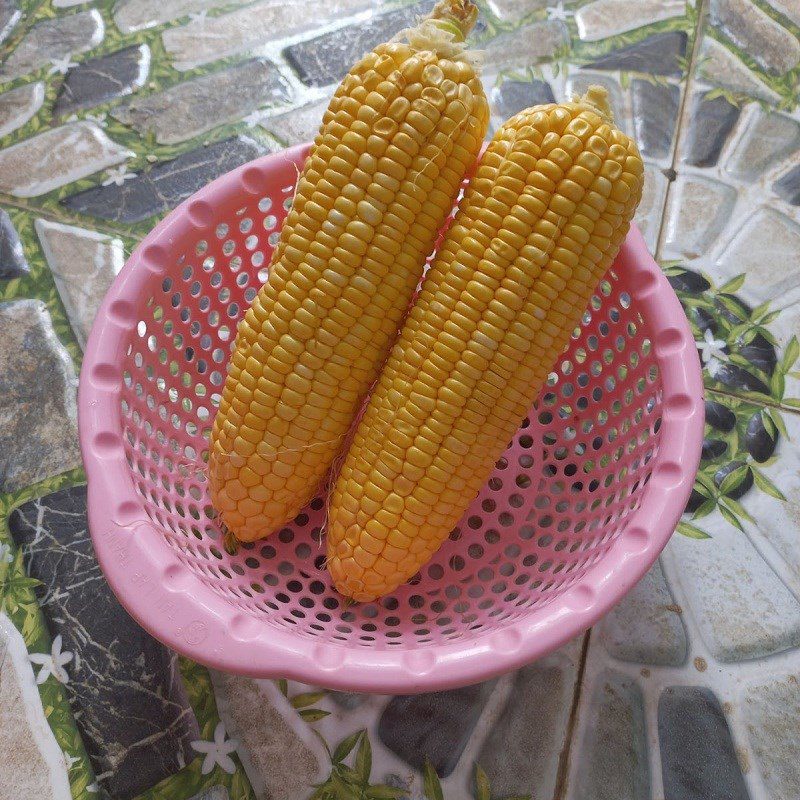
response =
{"points": [[655, 117], [520, 757], [787, 187], [698, 210], [515, 10], [10, 15], [166, 184], [124, 687], [711, 122], [279, 762], [765, 239], [512, 96], [19, 105], [54, 39], [38, 415], [646, 627], [772, 712], [296, 126], [135, 15], [526, 45], [698, 755], [766, 139], [435, 725], [658, 54], [327, 58], [57, 157], [741, 607], [99, 80], [13, 263], [255, 25], [788, 8], [769, 44], [603, 18], [83, 263], [721, 67], [188, 109], [613, 761], [31, 762]]}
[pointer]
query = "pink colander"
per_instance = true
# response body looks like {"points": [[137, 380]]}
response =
{"points": [[576, 510]]}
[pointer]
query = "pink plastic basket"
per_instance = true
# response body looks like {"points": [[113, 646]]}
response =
{"points": [[577, 509]]}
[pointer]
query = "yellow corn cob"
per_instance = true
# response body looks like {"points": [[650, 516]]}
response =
{"points": [[399, 134], [541, 221]]}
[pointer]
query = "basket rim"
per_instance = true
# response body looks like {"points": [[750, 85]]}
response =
{"points": [[179, 609]]}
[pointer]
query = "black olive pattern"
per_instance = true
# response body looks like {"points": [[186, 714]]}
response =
{"points": [[759, 443]]}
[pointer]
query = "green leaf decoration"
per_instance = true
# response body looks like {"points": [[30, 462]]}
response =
{"points": [[313, 714], [790, 354], [705, 508], [691, 531], [777, 384], [731, 517], [777, 420], [734, 479], [430, 782], [363, 765], [345, 747], [306, 699], [705, 485], [792, 402], [769, 425], [283, 685], [343, 790], [766, 485], [770, 318], [482, 789], [733, 285]]}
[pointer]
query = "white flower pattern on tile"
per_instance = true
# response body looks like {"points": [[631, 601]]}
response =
{"points": [[118, 175], [712, 352], [218, 752], [71, 760], [52, 663], [198, 18], [558, 12], [61, 65], [6, 556]]}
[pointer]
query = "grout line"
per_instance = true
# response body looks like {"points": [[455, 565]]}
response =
{"points": [[564, 756], [679, 132]]}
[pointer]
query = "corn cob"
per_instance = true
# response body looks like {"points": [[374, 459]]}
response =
{"points": [[540, 223], [400, 133]]}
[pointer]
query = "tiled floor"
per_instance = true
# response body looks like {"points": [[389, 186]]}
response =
{"points": [[112, 112]]}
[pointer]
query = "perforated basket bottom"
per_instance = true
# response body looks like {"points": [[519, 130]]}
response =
{"points": [[560, 495]]}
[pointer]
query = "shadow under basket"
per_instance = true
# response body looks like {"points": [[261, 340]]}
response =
{"points": [[576, 510]]}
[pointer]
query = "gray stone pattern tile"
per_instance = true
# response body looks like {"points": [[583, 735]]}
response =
{"points": [[38, 413], [99, 80], [166, 184], [124, 687], [191, 108], [434, 726], [52, 40], [698, 756], [327, 58]]}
